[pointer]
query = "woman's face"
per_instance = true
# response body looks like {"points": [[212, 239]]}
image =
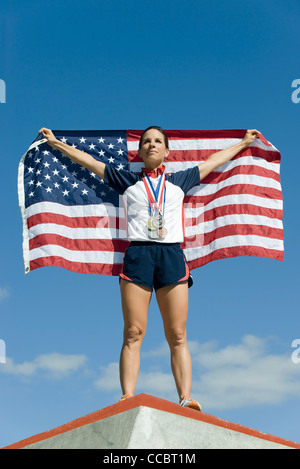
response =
{"points": [[153, 149]]}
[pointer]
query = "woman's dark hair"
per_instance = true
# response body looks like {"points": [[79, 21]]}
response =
{"points": [[160, 130]]}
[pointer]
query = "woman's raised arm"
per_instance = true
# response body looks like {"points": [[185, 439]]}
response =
{"points": [[223, 156], [78, 156]]}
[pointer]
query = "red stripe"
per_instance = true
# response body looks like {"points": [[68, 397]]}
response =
{"points": [[232, 230], [78, 267], [215, 177], [237, 209], [236, 251], [232, 209], [202, 155], [72, 222], [187, 271], [122, 273], [250, 189], [196, 134], [125, 278], [110, 245]]}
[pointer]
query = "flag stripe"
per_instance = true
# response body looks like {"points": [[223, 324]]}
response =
{"points": [[216, 193], [242, 199], [91, 257], [234, 241], [253, 162], [230, 252], [232, 209], [108, 245], [208, 136], [81, 267], [73, 222], [75, 211], [246, 222], [198, 155], [205, 239], [76, 233], [269, 177]]}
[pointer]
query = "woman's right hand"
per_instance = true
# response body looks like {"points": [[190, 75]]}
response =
{"points": [[48, 134]]}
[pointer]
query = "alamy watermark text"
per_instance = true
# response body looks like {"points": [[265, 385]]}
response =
{"points": [[2, 91], [2, 351], [296, 93], [296, 353]]}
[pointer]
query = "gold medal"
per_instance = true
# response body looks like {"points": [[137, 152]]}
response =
{"points": [[150, 224]]}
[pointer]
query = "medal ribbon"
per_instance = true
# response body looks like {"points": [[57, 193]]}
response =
{"points": [[156, 197]]}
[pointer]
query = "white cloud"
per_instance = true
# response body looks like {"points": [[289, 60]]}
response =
{"points": [[55, 364], [109, 380], [156, 382], [24, 369], [4, 293], [161, 351], [244, 375], [240, 375], [60, 364]]}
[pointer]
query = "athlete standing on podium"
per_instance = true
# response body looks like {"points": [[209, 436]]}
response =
{"points": [[154, 258]]}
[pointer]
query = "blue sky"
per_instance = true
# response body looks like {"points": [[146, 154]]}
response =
{"points": [[78, 65]]}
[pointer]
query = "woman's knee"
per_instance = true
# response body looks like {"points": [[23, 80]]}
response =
{"points": [[176, 336], [133, 335]]}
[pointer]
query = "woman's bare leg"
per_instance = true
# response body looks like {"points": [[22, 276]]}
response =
{"points": [[173, 304], [135, 304]]}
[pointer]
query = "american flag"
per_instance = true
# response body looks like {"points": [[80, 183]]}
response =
{"points": [[73, 220]]}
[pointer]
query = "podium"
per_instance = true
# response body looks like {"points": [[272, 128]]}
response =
{"points": [[147, 422]]}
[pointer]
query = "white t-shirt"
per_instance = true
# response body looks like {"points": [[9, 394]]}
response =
{"points": [[136, 203]]}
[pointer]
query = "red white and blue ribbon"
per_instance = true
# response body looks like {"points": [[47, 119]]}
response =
{"points": [[156, 197]]}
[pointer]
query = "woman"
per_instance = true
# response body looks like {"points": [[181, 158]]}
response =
{"points": [[154, 258]]}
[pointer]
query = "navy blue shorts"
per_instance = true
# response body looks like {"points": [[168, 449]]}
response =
{"points": [[155, 265]]}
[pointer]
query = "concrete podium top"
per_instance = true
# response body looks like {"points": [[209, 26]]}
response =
{"points": [[145, 421]]}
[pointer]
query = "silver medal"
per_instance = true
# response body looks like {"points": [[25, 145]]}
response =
{"points": [[158, 221]]}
